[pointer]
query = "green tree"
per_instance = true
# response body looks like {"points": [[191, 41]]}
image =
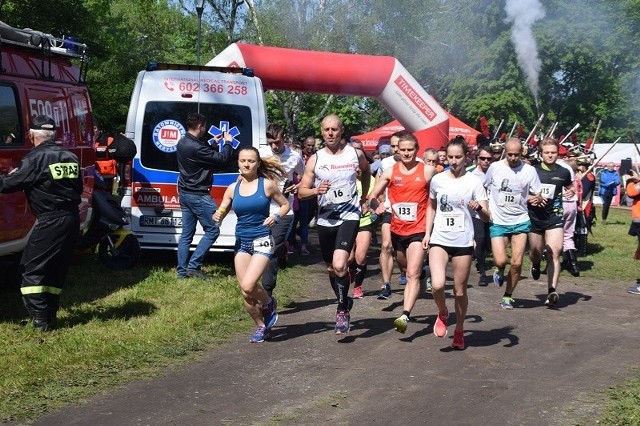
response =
{"points": [[132, 34]]}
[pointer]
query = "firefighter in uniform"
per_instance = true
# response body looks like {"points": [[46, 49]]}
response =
{"points": [[50, 177]]}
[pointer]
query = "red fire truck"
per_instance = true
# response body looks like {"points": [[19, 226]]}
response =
{"points": [[40, 74]]}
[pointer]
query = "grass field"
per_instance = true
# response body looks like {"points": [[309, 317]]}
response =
{"points": [[116, 327]]}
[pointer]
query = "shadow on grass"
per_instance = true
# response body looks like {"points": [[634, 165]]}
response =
{"points": [[129, 309], [585, 265], [594, 248], [89, 280]]}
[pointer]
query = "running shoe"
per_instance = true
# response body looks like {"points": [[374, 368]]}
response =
{"points": [[304, 251], [552, 299], [269, 313], [260, 334], [498, 279], [357, 292], [483, 281], [458, 340], [634, 289], [535, 272], [403, 279], [343, 319], [427, 285], [507, 303], [385, 292], [440, 327], [400, 323]]}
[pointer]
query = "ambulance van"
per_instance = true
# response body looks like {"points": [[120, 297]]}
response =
{"points": [[231, 99], [40, 74]]}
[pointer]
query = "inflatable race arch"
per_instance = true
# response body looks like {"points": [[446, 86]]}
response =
{"points": [[380, 77]]}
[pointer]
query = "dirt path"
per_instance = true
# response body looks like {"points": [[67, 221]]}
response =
{"points": [[529, 366]]}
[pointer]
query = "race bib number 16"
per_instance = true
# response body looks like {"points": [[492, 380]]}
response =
{"points": [[339, 195]]}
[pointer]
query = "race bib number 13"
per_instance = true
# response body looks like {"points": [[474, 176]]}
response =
{"points": [[452, 222]]}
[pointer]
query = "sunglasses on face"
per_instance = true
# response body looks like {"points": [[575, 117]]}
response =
{"points": [[484, 158]]}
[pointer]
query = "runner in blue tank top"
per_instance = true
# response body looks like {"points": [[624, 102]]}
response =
{"points": [[250, 198]]}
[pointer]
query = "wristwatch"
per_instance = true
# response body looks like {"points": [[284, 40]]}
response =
{"points": [[276, 217]]}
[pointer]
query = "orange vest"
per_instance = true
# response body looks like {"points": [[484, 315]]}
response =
{"points": [[106, 166]]}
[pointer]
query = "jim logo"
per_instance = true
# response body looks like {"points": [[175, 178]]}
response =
{"points": [[166, 135], [217, 131]]}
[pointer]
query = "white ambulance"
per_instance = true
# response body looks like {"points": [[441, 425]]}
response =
{"points": [[232, 99]]}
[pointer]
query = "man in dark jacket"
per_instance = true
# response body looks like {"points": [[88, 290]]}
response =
{"points": [[197, 161], [50, 177]]}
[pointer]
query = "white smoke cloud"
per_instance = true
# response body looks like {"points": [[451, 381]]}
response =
{"points": [[522, 14]]}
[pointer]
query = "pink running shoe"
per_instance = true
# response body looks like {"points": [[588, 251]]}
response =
{"points": [[440, 327], [358, 293], [458, 339]]}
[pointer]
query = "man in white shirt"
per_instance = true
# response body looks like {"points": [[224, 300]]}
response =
{"points": [[294, 166], [511, 183]]}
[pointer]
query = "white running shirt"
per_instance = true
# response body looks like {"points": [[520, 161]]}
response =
{"points": [[342, 201], [508, 191], [453, 224]]}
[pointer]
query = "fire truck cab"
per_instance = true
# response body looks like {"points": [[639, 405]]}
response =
{"points": [[40, 74]]}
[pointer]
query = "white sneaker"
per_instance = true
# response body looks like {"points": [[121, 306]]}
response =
{"points": [[634, 289]]}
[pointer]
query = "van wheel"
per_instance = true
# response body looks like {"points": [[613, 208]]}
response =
{"points": [[123, 257]]}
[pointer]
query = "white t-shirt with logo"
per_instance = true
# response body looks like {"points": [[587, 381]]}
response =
{"points": [[508, 190], [342, 201], [453, 224]]}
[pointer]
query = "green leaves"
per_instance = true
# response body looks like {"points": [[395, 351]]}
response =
{"points": [[461, 53]]}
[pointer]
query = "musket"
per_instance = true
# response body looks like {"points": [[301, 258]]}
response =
{"points": [[552, 130], [570, 131], [513, 129], [602, 156], [498, 129], [632, 138], [534, 128], [593, 141]]}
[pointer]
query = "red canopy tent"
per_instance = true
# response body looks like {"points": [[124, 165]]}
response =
{"points": [[372, 139]]}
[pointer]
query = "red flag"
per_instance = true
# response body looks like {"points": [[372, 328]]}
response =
{"points": [[588, 143], [484, 127]]}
